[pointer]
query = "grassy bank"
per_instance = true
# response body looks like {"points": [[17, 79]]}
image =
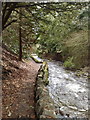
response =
{"points": [[77, 45]]}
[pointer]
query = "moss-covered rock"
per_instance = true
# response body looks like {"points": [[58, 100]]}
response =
{"points": [[36, 59]]}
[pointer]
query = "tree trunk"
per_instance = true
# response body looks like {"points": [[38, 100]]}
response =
{"points": [[20, 37]]}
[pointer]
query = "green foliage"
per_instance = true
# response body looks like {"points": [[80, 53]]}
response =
{"points": [[69, 63], [52, 38], [64, 31], [46, 24]]}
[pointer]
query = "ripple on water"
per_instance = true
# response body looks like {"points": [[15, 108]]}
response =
{"points": [[75, 87], [68, 91]]}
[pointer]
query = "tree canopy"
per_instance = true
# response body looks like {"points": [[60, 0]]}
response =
{"points": [[34, 8], [45, 23]]}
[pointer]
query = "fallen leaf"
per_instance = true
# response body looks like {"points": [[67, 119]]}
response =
{"points": [[9, 114]]}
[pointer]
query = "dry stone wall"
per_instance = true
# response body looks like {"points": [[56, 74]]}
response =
{"points": [[44, 104]]}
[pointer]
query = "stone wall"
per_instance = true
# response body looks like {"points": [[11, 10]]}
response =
{"points": [[44, 104]]}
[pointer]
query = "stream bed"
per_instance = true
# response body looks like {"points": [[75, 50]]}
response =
{"points": [[69, 92]]}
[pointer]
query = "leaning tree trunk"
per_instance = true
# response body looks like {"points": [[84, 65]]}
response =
{"points": [[20, 37]]}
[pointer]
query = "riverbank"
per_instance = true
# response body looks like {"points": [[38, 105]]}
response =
{"points": [[73, 51], [80, 72]]}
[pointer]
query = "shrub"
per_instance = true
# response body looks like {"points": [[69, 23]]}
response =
{"points": [[68, 64]]}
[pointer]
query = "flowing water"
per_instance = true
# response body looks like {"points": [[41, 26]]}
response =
{"points": [[69, 92]]}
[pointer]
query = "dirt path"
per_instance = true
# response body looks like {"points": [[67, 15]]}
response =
{"points": [[18, 91]]}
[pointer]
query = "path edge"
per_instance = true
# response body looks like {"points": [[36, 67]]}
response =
{"points": [[44, 106]]}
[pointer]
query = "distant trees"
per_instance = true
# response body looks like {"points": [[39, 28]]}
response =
{"points": [[55, 34]]}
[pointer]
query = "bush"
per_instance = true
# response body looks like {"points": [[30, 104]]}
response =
{"points": [[68, 64]]}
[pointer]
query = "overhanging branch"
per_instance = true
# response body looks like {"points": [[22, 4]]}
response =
{"points": [[9, 23]]}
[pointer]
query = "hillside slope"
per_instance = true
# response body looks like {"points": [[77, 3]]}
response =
{"points": [[77, 45], [18, 83]]}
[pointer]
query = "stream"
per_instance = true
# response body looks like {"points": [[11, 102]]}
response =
{"points": [[69, 92]]}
